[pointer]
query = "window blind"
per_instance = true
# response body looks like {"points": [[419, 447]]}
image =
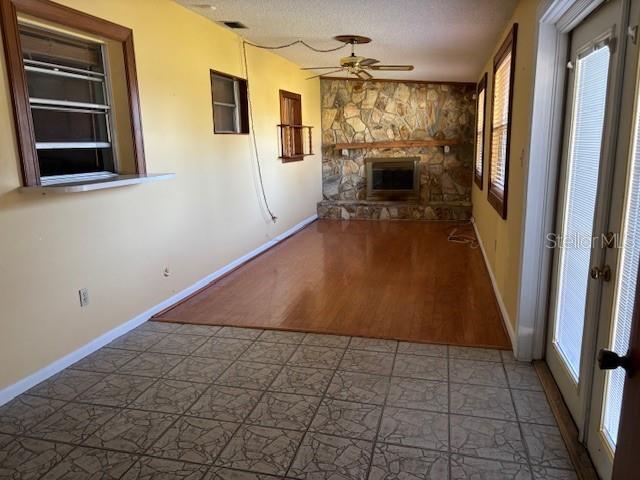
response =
{"points": [[500, 128], [625, 288], [480, 136]]}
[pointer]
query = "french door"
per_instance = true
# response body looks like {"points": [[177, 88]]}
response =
{"points": [[597, 247]]}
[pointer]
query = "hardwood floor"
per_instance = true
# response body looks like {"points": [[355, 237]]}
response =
{"points": [[398, 280]]}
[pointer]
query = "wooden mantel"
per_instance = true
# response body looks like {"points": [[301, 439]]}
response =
{"points": [[397, 144]]}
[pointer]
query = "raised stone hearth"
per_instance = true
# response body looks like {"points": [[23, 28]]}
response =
{"points": [[379, 111]]}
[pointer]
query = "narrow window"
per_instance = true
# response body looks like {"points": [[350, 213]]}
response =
{"points": [[481, 97], [291, 120], [230, 108], [503, 76], [75, 95]]}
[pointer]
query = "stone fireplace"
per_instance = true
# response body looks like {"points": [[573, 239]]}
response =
{"points": [[390, 178], [369, 122]]}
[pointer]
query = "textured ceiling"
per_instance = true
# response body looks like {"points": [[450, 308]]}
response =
{"points": [[446, 40]]}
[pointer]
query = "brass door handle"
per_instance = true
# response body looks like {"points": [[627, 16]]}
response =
{"points": [[603, 273]]}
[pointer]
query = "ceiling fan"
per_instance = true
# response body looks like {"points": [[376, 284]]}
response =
{"points": [[356, 65]]}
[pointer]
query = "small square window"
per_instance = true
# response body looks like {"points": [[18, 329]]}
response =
{"points": [[230, 108]]}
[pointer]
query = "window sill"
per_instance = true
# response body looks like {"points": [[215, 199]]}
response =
{"points": [[101, 184]]}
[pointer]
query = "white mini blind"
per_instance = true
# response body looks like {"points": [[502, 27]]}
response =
{"points": [[480, 134], [581, 188], [625, 287], [500, 127]]}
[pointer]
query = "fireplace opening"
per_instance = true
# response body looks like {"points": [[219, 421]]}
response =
{"points": [[393, 178]]}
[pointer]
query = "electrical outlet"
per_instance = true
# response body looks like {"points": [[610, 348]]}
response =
{"points": [[84, 297]]}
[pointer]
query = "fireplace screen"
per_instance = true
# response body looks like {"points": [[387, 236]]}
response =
{"points": [[393, 178]]}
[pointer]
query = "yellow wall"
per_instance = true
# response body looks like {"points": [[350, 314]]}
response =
{"points": [[502, 238], [116, 242]]}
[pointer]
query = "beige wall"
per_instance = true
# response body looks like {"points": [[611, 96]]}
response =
{"points": [[502, 238], [116, 242]]}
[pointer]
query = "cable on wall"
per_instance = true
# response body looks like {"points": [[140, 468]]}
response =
{"points": [[274, 219]]}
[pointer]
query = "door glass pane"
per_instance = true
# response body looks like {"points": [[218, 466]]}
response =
{"points": [[625, 289], [583, 162]]}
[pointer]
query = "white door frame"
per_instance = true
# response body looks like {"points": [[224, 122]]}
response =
{"points": [[556, 19]]}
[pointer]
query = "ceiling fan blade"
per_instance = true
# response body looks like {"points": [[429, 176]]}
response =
{"points": [[396, 68], [318, 68], [363, 75], [368, 61], [329, 73]]}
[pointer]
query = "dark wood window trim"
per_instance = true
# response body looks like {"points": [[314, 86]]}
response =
{"points": [[498, 199], [482, 86], [243, 102], [67, 17], [298, 132]]}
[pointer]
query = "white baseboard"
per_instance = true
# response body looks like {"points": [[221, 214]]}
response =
{"points": [[503, 309], [21, 386]]}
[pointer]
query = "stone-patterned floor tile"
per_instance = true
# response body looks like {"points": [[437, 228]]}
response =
{"points": [[220, 473], [225, 403], [415, 428], [178, 344], [546, 447], [392, 462], [28, 459], [367, 362], [522, 376], [249, 375], [429, 349], [507, 356], [197, 440], [260, 449], [73, 423], [223, 348], [199, 369], [266, 352], [170, 396], [324, 457], [476, 372], [277, 336], [533, 407], [472, 353], [316, 357], [488, 402], [325, 340], [373, 344], [487, 438], [149, 364], [347, 419], [358, 387], [162, 327], [85, 463], [116, 390], [418, 394], [284, 410], [238, 332], [542, 473], [67, 384], [148, 468], [302, 380], [138, 340], [25, 411], [421, 366], [131, 431], [203, 330], [469, 468], [105, 360]]}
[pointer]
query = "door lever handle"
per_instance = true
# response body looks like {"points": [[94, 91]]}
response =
{"points": [[608, 360], [603, 273]]}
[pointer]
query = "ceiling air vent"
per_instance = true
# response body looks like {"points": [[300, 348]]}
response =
{"points": [[234, 24]]}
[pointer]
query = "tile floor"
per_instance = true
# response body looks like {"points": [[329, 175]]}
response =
{"points": [[198, 402]]}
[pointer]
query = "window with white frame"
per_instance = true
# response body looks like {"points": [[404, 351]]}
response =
{"points": [[230, 109]]}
